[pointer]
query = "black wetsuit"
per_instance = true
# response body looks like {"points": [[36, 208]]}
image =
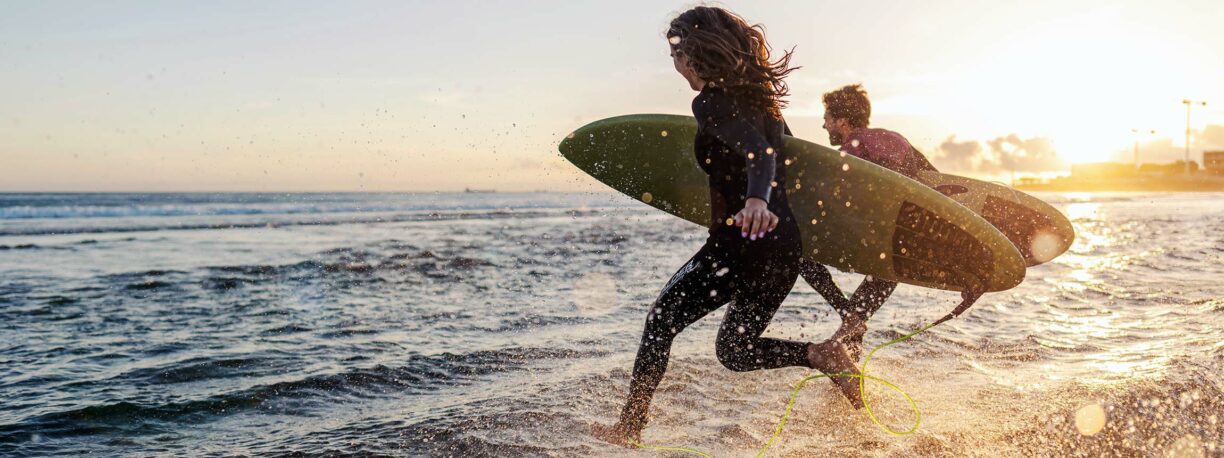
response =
{"points": [[740, 148]]}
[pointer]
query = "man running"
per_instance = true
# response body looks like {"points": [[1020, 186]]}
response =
{"points": [[847, 115]]}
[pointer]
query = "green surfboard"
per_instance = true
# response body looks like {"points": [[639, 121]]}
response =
{"points": [[852, 214]]}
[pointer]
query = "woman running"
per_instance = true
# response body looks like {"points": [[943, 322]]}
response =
{"points": [[751, 257]]}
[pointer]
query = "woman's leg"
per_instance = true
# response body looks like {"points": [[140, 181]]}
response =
{"points": [[758, 295], [740, 346], [698, 288]]}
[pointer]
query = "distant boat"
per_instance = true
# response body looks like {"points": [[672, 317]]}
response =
{"points": [[474, 191]]}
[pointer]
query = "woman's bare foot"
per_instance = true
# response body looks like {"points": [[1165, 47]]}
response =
{"points": [[851, 334], [830, 357], [617, 434]]}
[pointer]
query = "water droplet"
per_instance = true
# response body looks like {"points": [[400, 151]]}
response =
{"points": [[769, 151], [1187, 447], [663, 133], [750, 156], [1045, 246], [1090, 419], [722, 271], [596, 293], [713, 292], [882, 256], [647, 197], [854, 143], [845, 167], [739, 329], [673, 40]]}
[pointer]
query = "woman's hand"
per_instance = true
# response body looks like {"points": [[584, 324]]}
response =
{"points": [[755, 219]]}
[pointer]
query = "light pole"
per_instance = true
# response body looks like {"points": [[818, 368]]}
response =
{"points": [[1189, 103], [1136, 132]]}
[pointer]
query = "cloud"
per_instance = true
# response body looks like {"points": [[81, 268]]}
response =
{"points": [[1211, 137], [1005, 153], [955, 155], [1036, 154]]}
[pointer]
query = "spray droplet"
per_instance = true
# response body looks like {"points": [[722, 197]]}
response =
{"points": [[1090, 419], [647, 197], [663, 133], [1045, 246], [845, 167], [1189, 446], [594, 293]]}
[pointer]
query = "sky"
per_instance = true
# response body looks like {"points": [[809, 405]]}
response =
{"points": [[446, 95]]}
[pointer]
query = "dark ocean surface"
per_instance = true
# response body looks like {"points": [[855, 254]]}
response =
{"points": [[493, 324]]}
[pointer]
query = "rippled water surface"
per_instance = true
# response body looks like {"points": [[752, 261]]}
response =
{"points": [[505, 324]]}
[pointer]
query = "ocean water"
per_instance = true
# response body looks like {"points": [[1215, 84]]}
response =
{"points": [[506, 324]]}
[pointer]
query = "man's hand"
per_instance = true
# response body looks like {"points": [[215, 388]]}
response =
{"points": [[755, 219]]}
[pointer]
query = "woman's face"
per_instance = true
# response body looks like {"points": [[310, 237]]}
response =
{"points": [[682, 66]]}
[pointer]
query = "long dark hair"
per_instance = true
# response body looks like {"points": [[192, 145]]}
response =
{"points": [[724, 50]]}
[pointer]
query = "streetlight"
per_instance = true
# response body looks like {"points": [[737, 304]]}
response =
{"points": [[1136, 132], [1190, 103]]}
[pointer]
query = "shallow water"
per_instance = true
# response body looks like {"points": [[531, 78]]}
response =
{"points": [[504, 324]]}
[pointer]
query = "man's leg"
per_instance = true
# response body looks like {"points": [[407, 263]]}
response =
{"points": [[818, 276], [866, 300]]}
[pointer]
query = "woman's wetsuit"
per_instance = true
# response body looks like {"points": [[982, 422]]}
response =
{"points": [[740, 148]]}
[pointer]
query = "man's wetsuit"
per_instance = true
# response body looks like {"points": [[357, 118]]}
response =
{"points": [[740, 148]]}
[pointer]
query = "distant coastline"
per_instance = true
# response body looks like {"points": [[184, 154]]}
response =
{"points": [[1147, 184], [1110, 177]]}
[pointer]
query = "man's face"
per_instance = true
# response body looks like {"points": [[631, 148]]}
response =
{"points": [[836, 128]]}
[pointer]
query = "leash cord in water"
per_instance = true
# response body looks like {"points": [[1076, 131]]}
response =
{"points": [[862, 377]]}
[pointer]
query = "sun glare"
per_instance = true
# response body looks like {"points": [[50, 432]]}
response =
{"points": [[1083, 81]]}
